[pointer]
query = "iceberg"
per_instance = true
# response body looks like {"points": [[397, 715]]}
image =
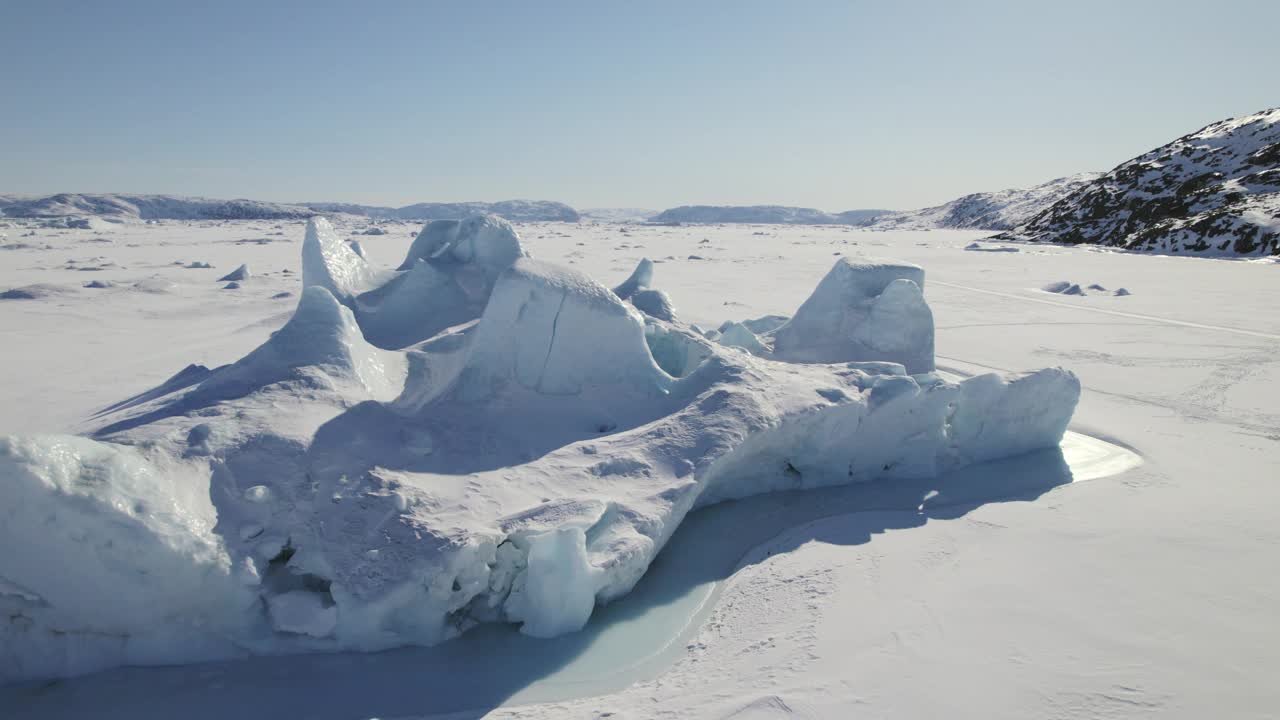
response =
{"points": [[477, 437]]}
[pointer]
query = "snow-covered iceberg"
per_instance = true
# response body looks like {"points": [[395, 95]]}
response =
{"points": [[523, 464], [862, 311]]}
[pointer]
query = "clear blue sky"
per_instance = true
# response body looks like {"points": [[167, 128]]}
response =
{"points": [[830, 104]]}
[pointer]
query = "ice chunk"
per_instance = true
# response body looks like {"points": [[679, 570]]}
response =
{"points": [[654, 303], [638, 290], [449, 274], [485, 241], [862, 311], [555, 331], [734, 334], [240, 273], [997, 416], [765, 324], [330, 263], [640, 279], [119, 549], [557, 591]]}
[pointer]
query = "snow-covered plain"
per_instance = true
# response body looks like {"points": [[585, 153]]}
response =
{"points": [[1141, 592]]}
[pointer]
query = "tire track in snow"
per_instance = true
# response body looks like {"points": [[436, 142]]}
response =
{"points": [[1118, 313]]}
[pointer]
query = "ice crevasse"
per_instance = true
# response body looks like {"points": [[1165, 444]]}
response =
{"points": [[474, 437]]}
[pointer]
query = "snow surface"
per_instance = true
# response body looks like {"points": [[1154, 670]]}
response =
{"points": [[1072, 606]]}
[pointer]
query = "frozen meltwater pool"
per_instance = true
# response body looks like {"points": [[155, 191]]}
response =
{"points": [[633, 639]]}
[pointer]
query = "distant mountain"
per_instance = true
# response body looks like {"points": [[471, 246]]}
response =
{"points": [[986, 211], [1215, 191], [860, 217], [147, 207], [125, 207], [513, 210], [999, 210], [763, 214], [617, 214]]}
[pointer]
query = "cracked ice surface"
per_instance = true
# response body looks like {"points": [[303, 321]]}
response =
{"points": [[521, 459]]}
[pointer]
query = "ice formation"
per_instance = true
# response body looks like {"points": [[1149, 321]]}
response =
{"points": [[445, 280], [636, 290], [523, 461], [862, 312], [237, 275]]}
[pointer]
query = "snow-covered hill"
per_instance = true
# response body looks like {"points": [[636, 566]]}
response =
{"points": [[623, 214], [1000, 210], [513, 210], [147, 207], [762, 214], [128, 207], [1215, 191]]}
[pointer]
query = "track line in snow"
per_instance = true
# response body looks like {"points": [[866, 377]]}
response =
{"points": [[1117, 313]]}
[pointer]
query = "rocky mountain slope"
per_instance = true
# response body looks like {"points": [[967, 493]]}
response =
{"points": [[1000, 210], [1215, 191]]}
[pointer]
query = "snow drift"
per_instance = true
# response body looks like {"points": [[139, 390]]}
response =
{"points": [[523, 461]]}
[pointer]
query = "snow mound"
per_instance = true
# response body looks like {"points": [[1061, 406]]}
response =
{"points": [[38, 291], [862, 311], [322, 334], [979, 247], [322, 493], [1063, 287]]}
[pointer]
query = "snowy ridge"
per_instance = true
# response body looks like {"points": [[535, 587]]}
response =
{"points": [[1000, 210], [1215, 191], [523, 462]]}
